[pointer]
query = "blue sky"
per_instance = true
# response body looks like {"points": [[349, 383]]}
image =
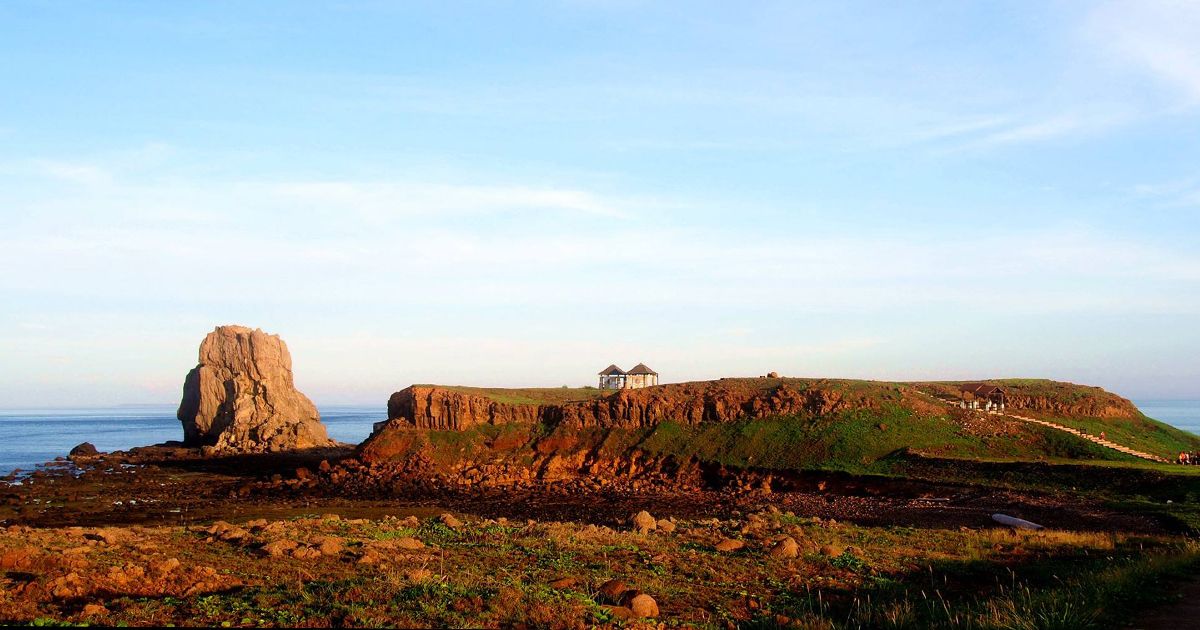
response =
{"points": [[522, 193]]}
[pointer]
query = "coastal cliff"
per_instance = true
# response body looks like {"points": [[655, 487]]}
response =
{"points": [[459, 408]]}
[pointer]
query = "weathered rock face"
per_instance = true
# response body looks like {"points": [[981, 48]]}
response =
{"points": [[439, 408], [241, 397], [443, 409]]}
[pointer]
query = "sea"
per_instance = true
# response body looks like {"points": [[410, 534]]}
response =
{"points": [[32, 436]]}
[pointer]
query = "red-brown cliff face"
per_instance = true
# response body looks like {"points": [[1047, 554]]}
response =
{"points": [[431, 407], [707, 401]]}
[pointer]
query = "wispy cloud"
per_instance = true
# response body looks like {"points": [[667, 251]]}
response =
{"points": [[1158, 37]]}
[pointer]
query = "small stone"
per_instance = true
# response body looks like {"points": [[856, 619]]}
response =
{"points": [[448, 520], [786, 548], [564, 582], [279, 548], [643, 606], [833, 551], [410, 522], [643, 522], [163, 567], [613, 590], [94, 610], [665, 526], [730, 545], [618, 612], [306, 553], [330, 546], [409, 543]]}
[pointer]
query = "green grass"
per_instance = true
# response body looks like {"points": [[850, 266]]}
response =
{"points": [[857, 441], [1141, 433], [1106, 594], [531, 395]]}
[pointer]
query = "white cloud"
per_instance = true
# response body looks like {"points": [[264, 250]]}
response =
{"points": [[1158, 37]]}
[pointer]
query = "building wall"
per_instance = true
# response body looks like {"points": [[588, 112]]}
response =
{"points": [[638, 381], [612, 382]]}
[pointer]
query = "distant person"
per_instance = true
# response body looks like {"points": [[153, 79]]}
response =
{"points": [[1103, 435], [1183, 458]]}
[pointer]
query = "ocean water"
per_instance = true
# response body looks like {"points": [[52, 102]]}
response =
{"points": [[33, 436], [1184, 414]]}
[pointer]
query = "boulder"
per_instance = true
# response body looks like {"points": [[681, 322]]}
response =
{"points": [[730, 545], [643, 606], [241, 397], [643, 522], [786, 548], [450, 521], [87, 449], [613, 590]]}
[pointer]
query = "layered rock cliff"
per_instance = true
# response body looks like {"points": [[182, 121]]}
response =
{"points": [[438, 408], [724, 400], [241, 397]]}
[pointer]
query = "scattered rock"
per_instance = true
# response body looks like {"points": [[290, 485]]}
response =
{"points": [[413, 522], [730, 545], [643, 522], [279, 547], [665, 526], [86, 449], [613, 591], [94, 610], [330, 546], [786, 548], [619, 612], [448, 520], [23, 558], [643, 606], [306, 553], [241, 397], [163, 567], [409, 543], [564, 582]]}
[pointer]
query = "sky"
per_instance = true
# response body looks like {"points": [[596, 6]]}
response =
{"points": [[519, 194]]}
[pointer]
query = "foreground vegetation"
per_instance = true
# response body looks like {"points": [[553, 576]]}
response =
{"points": [[462, 571]]}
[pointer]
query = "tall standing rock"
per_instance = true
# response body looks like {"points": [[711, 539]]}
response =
{"points": [[241, 397]]}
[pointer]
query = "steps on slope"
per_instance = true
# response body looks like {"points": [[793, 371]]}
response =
{"points": [[1091, 438]]}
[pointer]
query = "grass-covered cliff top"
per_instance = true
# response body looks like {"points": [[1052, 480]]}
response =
{"points": [[529, 395]]}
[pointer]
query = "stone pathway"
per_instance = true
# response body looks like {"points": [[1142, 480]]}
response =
{"points": [[1086, 436]]}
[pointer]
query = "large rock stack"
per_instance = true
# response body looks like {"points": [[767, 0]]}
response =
{"points": [[241, 397]]}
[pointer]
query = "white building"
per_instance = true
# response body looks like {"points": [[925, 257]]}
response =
{"points": [[613, 377]]}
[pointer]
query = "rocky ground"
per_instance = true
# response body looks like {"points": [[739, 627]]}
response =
{"points": [[165, 536], [178, 486], [771, 567]]}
